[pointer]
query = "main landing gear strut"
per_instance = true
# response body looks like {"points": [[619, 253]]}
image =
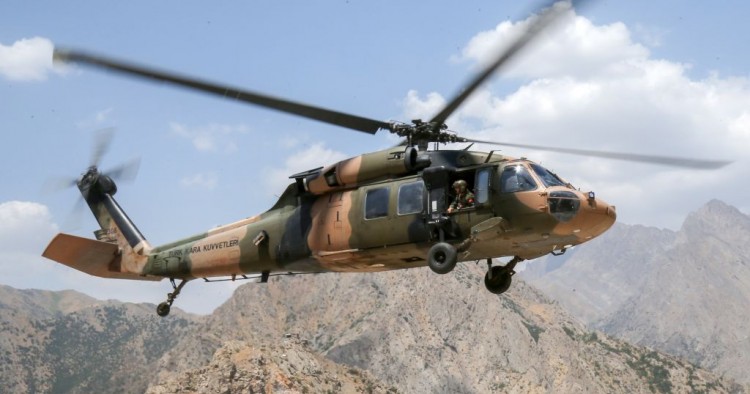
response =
{"points": [[442, 259], [163, 308], [498, 279]]}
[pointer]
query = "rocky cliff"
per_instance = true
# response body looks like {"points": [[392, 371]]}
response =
{"points": [[289, 366], [414, 331], [421, 332], [67, 342]]}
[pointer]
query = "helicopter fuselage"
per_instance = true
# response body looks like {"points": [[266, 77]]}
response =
{"points": [[521, 210]]}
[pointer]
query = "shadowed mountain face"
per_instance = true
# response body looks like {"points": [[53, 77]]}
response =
{"points": [[68, 342], [686, 292], [421, 332]]}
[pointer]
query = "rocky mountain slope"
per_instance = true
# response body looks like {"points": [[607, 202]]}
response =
{"points": [[685, 293], [415, 331], [422, 332], [288, 366], [68, 342], [595, 279]]}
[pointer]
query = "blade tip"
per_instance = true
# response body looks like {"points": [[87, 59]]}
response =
{"points": [[62, 55]]}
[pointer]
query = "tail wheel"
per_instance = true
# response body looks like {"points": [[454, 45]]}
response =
{"points": [[498, 280], [163, 309], [442, 258]]}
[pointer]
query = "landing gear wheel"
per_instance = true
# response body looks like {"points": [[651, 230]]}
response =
{"points": [[498, 279], [442, 258], [163, 309]]}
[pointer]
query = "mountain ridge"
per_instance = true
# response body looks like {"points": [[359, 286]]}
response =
{"points": [[424, 333], [683, 288], [414, 331], [69, 342]]}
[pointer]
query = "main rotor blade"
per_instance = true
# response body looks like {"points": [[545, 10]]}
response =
{"points": [[546, 17], [664, 160], [305, 110]]}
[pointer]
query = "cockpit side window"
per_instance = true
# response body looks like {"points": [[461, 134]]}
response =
{"points": [[516, 179], [547, 177]]}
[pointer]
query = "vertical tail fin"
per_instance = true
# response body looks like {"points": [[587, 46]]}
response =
{"points": [[115, 225], [114, 222]]}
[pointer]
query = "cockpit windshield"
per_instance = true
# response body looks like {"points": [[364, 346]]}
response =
{"points": [[516, 178], [546, 176]]}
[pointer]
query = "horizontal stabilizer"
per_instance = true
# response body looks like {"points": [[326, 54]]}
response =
{"points": [[90, 256]]}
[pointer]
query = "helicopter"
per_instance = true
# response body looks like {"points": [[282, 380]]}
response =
{"points": [[407, 206]]}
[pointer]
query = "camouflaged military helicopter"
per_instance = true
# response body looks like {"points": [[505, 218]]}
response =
{"points": [[379, 211]]}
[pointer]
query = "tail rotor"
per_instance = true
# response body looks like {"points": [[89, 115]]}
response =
{"points": [[93, 178]]}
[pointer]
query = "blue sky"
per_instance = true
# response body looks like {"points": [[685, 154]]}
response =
{"points": [[662, 77]]}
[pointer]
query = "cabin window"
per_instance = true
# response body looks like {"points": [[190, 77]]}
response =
{"points": [[376, 203], [410, 198], [516, 179], [546, 176], [482, 185]]}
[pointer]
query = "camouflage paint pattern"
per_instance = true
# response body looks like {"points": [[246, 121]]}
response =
{"points": [[319, 224]]}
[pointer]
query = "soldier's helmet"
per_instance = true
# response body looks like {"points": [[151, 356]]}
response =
{"points": [[460, 185]]}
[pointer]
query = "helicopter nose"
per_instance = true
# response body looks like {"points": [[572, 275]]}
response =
{"points": [[598, 214]]}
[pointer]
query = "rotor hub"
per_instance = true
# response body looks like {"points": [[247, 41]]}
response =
{"points": [[421, 133], [92, 179]]}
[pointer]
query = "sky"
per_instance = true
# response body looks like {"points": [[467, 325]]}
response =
{"points": [[668, 77]]}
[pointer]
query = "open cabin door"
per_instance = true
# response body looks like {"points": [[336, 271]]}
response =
{"points": [[456, 225]]}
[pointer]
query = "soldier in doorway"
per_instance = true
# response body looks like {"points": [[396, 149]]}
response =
{"points": [[464, 197]]}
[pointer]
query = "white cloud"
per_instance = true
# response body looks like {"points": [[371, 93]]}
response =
{"points": [[95, 119], [417, 108], [28, 59], [574, 46], [651, 35], [593, 87], [289, 142], [22, 225], [25, 230], [316, 155], [201, 180], [210, 138]]}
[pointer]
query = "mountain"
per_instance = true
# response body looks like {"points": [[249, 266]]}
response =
{"points": [[595, 279], [69, 342], [686, 292], [289, 366], [414, 331], [421, 332]]}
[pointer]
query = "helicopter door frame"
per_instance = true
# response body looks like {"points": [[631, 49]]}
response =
{"points": [[462, 220], [436, 181], [439, 181]]}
